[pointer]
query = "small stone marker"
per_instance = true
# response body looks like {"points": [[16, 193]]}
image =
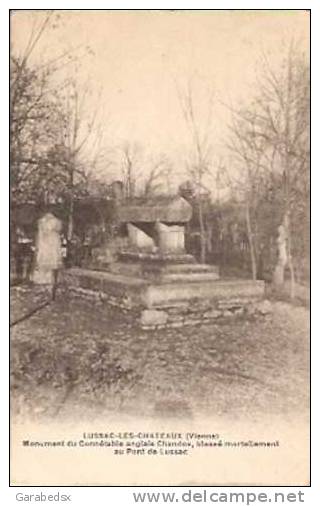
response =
{"points": [[48, 256], [153, 317]]}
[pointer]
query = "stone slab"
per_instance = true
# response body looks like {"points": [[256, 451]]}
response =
{"points": [[132, 291], [158, 258], [103, 276], [165, 273], [174, 209], [153, 317], [189, 277], [218, 291]]}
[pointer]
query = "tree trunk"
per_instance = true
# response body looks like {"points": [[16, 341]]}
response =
{"points": [[251, 243], [70, 220], [290, 264], [71, 207], [292, 278], [202, 234]]}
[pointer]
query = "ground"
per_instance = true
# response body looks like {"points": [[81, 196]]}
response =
{"points": [[73, 357]]}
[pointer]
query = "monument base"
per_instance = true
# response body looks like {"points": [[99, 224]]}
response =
{"points": [[158, 258], [163, 302], [166, 272]]}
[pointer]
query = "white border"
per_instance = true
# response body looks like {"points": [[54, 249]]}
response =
{"points": [[118, 495]]}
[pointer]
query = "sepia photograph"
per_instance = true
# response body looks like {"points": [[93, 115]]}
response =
{"points": [[160, 247]]}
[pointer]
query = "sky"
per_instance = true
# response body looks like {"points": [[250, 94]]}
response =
{"points": [[140, 59]]}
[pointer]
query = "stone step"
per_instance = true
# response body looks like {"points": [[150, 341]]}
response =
{"points": [[156, 258], [194, 268], [219, 291], [189, 277]]}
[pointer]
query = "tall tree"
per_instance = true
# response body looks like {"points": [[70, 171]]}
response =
{"points": [[32, 111], [142, 174], [156, 178], [36, 85], [79, 147], [55, 135], [270, 141], [131, 160], [199, 163]]}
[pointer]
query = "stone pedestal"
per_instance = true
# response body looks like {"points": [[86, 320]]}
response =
{"points": [[170, 237]]}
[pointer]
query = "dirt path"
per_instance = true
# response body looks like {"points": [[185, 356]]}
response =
{"points": [[74, 354]]}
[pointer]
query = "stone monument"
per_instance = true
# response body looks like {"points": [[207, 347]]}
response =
{"points": [[153, 276], [48, 253]]}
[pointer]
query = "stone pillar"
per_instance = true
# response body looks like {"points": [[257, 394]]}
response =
{"points": [[171, 238], [48, 254], [139, 239]]}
